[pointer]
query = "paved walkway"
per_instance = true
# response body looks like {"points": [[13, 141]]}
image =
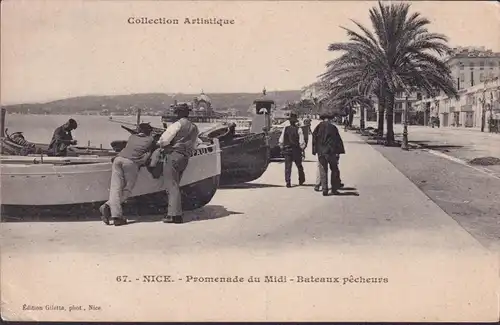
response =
{"points": [[391, 230]]}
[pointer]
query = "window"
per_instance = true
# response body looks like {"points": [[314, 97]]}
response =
{"points": [[462, 77], [461, 65], [481, 77], [481, 65], [472, 78]]}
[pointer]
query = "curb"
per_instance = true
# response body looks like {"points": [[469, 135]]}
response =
{"points": [[463, 162], [483, 170]]}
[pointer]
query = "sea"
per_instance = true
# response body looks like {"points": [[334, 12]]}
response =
{"points": [[92, 129]]}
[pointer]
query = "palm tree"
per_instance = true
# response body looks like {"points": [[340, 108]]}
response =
{"points": [[396, 57]]}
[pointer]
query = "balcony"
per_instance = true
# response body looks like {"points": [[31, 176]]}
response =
{"points": [[466, 108]]}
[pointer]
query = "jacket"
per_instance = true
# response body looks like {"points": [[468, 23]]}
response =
{"points": [[326, 140]]}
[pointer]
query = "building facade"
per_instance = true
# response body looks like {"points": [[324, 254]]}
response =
{"points": [[476, 73], [476, 106]]}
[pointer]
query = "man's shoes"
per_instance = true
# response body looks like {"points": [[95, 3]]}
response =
{"points": [[341, 185], [119, 221], [173, 219], [105, 213], [317, 188], [325, 193], [288, 185], [301, 183]]}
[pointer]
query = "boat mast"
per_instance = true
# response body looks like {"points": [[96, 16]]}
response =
{"points": [[138, 117]]}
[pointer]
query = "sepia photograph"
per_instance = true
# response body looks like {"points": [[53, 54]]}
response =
{"points": [[250, 161]]}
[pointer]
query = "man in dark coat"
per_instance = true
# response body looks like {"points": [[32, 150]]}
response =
{"points": [[62, 139], [328, 144], [292, 144]]}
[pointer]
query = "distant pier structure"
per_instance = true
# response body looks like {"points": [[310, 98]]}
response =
{"points": [[201, 110]]}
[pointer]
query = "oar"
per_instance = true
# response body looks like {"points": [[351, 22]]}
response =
{"points": [[155, 129]]}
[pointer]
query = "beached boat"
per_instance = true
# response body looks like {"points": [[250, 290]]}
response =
{"points": [[244, 157], [16, 145], [64, 181]]}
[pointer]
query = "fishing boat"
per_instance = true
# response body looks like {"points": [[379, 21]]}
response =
{"points": [[38, 181], [15, 144], [244, 156]]}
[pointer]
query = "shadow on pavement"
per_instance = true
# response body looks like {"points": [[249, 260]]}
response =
{"points": [[248, 186], [208, 212], [136, 213], [344, 194], [348, 189]]}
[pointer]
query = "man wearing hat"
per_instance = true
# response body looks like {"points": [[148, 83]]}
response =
{"points": [[62, 139], [328, 144], [177, 143], [292, 144], [125, 169]]}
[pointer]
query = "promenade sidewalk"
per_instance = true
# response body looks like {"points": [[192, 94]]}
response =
{"points": [[391, 230]]}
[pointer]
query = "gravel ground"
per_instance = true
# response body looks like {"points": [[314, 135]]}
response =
{"points": [[471, 198]]}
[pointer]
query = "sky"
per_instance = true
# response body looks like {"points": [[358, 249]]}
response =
{"points": [[58, 49]]}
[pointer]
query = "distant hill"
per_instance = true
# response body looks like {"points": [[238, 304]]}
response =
{"points": [[149, 103]]}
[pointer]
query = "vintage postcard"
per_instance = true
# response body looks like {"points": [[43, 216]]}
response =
{"points": [[250, 161]]}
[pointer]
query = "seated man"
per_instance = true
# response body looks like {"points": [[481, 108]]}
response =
{"points": [[125, 170], [62, 139]]}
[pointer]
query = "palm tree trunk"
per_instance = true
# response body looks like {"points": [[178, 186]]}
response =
{"points": [[362, 117], [390, 118], [351, 116], [381, 117]]}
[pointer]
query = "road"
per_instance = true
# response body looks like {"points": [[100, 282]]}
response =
{"points": [[383, 226]]}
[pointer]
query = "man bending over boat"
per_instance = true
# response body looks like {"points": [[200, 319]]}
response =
{"points": [[178, 143], [126, 166], [62, 139]]}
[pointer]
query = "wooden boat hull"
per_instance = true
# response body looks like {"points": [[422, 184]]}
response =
{"points": [[57, 185], [275, 150], [245, 156], [244, 159], [9, 147], [194, 196]]}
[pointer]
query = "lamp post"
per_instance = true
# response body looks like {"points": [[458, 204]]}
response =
{"points": [[483, 109], [404, 145]]}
